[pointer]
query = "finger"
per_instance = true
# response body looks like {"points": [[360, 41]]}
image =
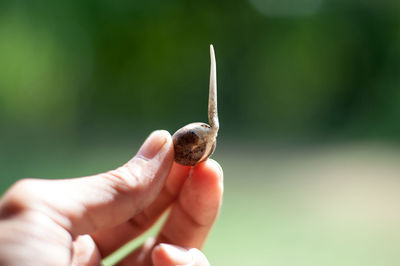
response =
{"points": [[198, 257], [192, 214], [110, 239], [171, 255], [84, 205], [85, 251], [196, 209]]}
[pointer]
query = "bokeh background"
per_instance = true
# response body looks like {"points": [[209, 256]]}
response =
{"points": [[309, 103]]}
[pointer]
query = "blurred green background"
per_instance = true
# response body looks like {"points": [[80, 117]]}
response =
{"points": [[309, 103]]}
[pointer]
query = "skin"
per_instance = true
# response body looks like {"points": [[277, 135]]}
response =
{"points": [[82, 220], [195, 142]]}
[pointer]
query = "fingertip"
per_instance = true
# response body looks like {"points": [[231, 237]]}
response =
{"points": [[210, 165], [85, 251], [164, 134], [167, 254], [156, 144], [199, 258], [152, 163], [209, 172], [216, 168]]}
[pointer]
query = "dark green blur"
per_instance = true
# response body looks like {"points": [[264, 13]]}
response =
{"points": [[85, 66]]}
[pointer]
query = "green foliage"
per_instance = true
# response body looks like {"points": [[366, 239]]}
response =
{"points": [[295, 70]]}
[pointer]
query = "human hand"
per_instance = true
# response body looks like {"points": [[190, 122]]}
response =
{"points": [[80, 221]]}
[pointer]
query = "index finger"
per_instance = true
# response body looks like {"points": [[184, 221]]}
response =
{"points": [[193, 214]]}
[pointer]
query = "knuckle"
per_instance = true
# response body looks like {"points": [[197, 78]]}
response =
{"points": [[121, 179], [135, 173], [24, 187], [20, 196]]}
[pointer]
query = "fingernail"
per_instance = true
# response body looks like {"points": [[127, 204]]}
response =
{"points": [[178, 255], [153, 144]]}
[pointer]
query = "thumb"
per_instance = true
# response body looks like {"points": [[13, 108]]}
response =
{"points": [[87, 204]]}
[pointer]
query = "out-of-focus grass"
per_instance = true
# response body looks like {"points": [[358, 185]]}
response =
{"points": [[334, 205], [325, 205]]}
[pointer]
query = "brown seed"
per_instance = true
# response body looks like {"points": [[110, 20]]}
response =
{"points": [[191, 144], [195, 142]]}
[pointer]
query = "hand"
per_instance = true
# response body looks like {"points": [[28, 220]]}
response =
{"points": [[80, 221]]}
